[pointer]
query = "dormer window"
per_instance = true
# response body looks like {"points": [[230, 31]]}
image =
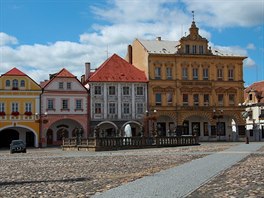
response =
{"points": [[60, 85], [250, 97], [187, 49], [7, 83], [15, 84], [194, 49], [201, 49], [22, 83]]}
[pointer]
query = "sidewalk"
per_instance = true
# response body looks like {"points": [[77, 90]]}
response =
{"points": [[183, 179]]}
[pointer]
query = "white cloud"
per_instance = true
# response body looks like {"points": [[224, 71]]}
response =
{"points": [[251, 46], [125, 21], [249, 62], [221, 14], [6, 39]]}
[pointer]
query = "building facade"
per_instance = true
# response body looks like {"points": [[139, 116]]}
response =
{"points": [[254, 111], [64, 108], [19, 101], [118, 93], [192, 88]]}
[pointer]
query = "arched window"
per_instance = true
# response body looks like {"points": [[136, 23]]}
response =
{"points": [[15, 84], [22, 83], [7, 83]]}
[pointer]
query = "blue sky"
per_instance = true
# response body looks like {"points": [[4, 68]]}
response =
{"points": [[43, 36]]}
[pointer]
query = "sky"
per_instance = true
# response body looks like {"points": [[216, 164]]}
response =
{"points": [[41, 37]]}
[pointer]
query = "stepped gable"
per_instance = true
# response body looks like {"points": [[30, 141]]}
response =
{"points": [[14, 72], [116, 69]]}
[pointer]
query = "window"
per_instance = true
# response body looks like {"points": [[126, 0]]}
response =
{"points": [[184, 73], [169, 72], [7, 83], [201, 51], [250, 97], [169, 98], [65, 104], [185, 100], [205, 73], [140, 91], [2, 107], [206, 99], [230, 74], [98, 108], [15, 84], [111, 90], [220, 99], [140, 108], [194, 49], [60, 85], [158, 99], [14, 107], [219, 74], [126, 108], [125, 91], [50, 104], [157, 73], [78, 104], [232, 99], [187, 49], [97, 90], [28, 107], [195, 73], [112, 108], [22, 83], [196, 99], [69, 85]]}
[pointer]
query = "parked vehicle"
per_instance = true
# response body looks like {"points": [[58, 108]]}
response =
{"points": [[18, 146]]}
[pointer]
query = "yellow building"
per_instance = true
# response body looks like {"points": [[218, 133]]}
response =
{"points": [[192, 88], [19, 102]]}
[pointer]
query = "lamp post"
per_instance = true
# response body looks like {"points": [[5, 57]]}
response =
{"points": [[42, 119], [150, 118], [217, 115]]}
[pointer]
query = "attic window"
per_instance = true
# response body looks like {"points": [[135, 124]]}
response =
{"points": [[250, 96]]}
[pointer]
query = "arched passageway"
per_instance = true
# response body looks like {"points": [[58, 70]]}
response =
{"points": [[6, 136]]}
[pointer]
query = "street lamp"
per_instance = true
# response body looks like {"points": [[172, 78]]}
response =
{"points": [[217, 115], [150, 118], [38, 118]]}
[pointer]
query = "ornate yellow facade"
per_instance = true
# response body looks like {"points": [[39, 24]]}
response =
{"points": [[19, 103], [194, 89]]}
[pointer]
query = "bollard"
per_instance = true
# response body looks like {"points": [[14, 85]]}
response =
{"points": [[246, 140]]}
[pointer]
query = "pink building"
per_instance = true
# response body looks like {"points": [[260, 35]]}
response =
{"points": [[64, 108]]}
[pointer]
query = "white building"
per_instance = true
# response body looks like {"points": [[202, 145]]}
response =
{"points": [[118, 96], [254, 111]]}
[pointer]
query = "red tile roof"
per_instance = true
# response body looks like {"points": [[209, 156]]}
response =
{"points": [[14, 72], [116, 69], [258, 87], [65, 74]]}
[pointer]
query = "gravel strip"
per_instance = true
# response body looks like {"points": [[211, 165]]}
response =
{"points": [[245, 179]]}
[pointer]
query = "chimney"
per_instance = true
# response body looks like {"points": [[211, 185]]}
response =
{"points": [[129, 52], [87, 70], [158, 38]]}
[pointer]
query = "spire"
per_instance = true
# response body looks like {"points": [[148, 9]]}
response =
{"points": [[193, 29]]}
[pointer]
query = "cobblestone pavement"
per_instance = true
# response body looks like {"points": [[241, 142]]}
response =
{"points": [[56, 173], [245, 179]]}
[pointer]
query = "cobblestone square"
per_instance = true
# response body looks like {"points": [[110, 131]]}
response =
{"points": [[52, 172]]}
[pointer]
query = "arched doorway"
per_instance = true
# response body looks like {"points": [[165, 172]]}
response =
{"points": [[6, 136], [30, 139]]}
